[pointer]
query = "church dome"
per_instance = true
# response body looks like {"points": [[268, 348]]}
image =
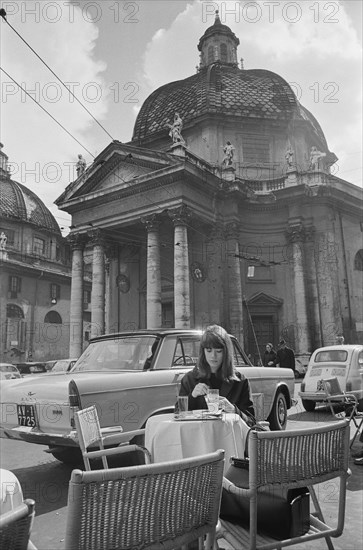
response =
{"points": [[218, 89], [20, 204]]}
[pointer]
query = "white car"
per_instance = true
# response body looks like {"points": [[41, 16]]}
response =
{"points": [[130, 377], [8, 371], [344, 362]]}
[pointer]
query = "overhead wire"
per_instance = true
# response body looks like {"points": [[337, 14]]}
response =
{"points": [[54, 74], [47, 112]]}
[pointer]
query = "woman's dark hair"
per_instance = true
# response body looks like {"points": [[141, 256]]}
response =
{"points": [[216, 337]]}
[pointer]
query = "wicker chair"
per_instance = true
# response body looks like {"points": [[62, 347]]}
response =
{"points": [[292, 459], [89, 433], [164, 505], [15, 527]]}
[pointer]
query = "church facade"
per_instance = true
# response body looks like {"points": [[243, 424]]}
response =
{"points": [[221, 209]]}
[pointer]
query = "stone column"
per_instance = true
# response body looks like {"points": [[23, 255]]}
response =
{"points": [[295, 234], [153, 273], [180, 218], [315, 331], [76, 306], [98, 285], [215, 255], [234, 282]]}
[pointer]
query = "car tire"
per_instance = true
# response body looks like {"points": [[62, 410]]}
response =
{"points": [[308, 405], [68, 455], [278, 415]]}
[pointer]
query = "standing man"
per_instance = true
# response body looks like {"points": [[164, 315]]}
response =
{"points": [[285, 357]]}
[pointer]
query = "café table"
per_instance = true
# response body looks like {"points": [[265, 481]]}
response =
{"points": [[11, 494], [169, 438]]}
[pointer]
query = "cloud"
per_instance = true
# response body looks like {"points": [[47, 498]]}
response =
{"points": [[312, 45], [68, 48]]}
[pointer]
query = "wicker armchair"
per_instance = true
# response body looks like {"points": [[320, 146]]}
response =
{"points": [[89, 433], [292, 459], [164, 505], [15, 527]]}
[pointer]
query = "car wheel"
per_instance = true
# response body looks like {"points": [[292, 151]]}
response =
{"points": [[308, 405], [68, 455], [278, 415]]}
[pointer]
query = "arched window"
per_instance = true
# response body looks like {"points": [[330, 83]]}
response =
{"points": [[210, 55], [358, 260], [224, 52], [14, 312], [53, 317]]}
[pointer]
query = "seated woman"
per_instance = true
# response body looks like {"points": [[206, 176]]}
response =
{"points": [[215, 369]]}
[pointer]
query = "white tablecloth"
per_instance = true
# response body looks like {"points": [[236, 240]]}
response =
{"points": [[11, 493], [170, 439]]}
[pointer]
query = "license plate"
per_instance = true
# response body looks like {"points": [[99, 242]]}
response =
{"points": [[26, 416]]}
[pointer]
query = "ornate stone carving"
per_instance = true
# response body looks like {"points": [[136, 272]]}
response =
{"points": [[151, 222], [76, 241], [316, 157], [175, 130], [80, 166], [181, 215], [96, 237], [232, 230], [228, 151], [198, 272], [295, 233]]}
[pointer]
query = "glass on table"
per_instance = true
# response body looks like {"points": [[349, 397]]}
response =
{"points": [[212, 399], [182, 406]]}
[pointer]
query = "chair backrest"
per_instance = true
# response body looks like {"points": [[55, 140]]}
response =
{"points": [[332, 387], [166, 505], [15, 526], [88, 427], [295, 458]]}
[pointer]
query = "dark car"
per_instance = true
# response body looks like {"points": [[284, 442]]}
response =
{"points": [[31, 367]]}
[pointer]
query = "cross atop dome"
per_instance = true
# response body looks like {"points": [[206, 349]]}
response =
{"points": [[218, 45]]}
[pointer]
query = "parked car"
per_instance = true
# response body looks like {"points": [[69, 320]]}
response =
{"points": [[31, 367], [343, 362], [130, 377], [63, 365], [8, 371]]}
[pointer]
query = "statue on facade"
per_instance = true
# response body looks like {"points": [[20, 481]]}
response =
{"points": [[80, 166], [315, 159], [228, 151], [175, 130], [289, 156], [3, 241]]}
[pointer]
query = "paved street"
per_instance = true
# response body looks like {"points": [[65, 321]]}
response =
{"points": [[45, 480]]}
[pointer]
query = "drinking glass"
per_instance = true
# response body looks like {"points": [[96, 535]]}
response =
{"points": [[182, 406], [213, 400]]}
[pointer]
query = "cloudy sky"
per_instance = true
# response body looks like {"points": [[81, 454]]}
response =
{"points": [[113, 54]]}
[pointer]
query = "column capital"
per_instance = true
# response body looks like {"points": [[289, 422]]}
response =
{"points": [[96, 237], [232, 230], [181, 215], [295, 233], [76, 241], [151, 222]]}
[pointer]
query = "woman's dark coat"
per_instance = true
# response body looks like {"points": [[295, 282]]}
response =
{"points": [[237, 392], [269, 356]]}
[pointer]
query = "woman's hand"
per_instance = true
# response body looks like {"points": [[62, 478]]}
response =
{"points": [[200, 389], [226, 406]]}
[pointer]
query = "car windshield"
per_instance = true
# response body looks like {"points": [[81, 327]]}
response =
{"points": [[128, 353], [332, 355], [60, 366]]}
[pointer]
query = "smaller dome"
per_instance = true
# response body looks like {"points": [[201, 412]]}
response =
{"points": [[21, 204]]}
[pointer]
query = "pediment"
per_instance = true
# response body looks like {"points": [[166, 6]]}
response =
{"points": [[118, 165], [263, 299]]}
